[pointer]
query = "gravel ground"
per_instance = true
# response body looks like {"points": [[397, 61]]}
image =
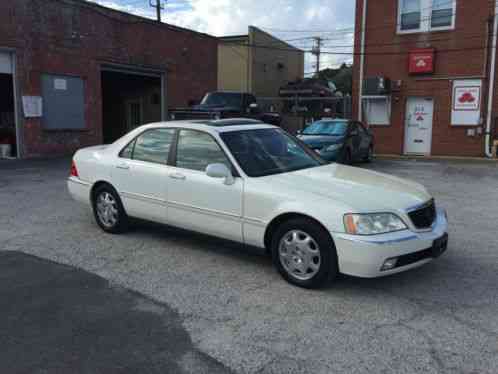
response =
{"points": [[441, 318]]}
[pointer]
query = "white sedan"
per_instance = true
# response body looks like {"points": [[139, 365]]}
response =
{"points": [[253, 183]]}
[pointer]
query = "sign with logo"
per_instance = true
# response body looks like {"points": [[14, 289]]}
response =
{"points": [[421, 61], [466, 108]]}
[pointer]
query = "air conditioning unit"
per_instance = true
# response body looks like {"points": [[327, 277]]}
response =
{"points": [[376, 86]]}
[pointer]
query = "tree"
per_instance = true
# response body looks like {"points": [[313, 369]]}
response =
{"points": [[341, 77]]}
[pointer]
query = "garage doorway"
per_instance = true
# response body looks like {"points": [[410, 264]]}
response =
{"points": [[8, 130], [129, 100]]}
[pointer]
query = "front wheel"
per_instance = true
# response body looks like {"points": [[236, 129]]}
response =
{"points": [[108, 210], [304, 254]]}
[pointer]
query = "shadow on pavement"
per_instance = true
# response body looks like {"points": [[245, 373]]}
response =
{"points": [[55, 318]]}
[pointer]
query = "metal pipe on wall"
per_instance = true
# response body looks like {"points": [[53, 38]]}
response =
{"points": [[362, 60], [492, 75]]}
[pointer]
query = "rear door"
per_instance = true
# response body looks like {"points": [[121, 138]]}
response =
{"points": [[140, 174], [197, 201]]}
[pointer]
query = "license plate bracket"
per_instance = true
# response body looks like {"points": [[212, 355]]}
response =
{"points": [[439, 246]]}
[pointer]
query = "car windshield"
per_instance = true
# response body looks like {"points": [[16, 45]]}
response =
{"points": [[222, 99], [264, 152], [337, 128]]}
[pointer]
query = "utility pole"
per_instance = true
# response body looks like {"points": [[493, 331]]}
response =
{"points": [[159, 7], [317, 50]]}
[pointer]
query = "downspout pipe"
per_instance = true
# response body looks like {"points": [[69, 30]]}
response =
{"points": [[492, 74], [362, 59]]}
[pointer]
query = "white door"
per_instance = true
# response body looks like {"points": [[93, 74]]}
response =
{"points": [[418, 125], [196, 201], [140, 175]]}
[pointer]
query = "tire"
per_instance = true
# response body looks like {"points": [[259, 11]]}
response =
{"points": [[369, 157], [108, 210], [347, 159], [310, 265]]}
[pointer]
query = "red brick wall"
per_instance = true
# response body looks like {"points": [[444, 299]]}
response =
{"points": [[71, 37], [387, 55]]}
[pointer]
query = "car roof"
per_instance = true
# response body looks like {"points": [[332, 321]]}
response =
{"points": [[223, 125]]}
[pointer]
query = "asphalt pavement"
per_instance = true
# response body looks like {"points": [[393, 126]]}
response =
{"points": [[58, 319], [238, 312]]}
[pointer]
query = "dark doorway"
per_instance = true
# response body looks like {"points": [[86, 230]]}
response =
{"points": [[8, 141], [128, 101]]}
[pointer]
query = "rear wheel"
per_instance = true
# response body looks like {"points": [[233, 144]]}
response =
{"points": [[369, 156], [304, 253], [108, 210]]}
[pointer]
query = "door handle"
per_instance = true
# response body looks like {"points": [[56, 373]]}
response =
{"points": [[177, 176], [123, 166]]}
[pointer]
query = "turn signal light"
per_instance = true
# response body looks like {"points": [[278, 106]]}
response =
{"points": [[74, 171]]}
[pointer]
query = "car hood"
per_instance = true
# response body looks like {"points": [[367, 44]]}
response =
{"points": [[320, 141], [360, 189]]}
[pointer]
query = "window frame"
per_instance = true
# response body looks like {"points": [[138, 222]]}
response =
{"points": [[134, 142], [426, 9], [172, 160], [366, 110]]}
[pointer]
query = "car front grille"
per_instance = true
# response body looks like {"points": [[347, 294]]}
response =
{"points": [[424, 217]]}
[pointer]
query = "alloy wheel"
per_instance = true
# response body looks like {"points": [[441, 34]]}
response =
{"points": [[107, 209], [300, 255]]}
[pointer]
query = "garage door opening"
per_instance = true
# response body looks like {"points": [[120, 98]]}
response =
{"points": [[129, 101], [8, 138]]}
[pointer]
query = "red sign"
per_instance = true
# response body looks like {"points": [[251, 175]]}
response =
{"points": [[421, 61]]}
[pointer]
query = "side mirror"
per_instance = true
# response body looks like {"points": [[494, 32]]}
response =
{"points": [[220, 171], [253, 108]]}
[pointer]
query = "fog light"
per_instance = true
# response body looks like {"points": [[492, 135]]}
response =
{"points": [[389, 264]]}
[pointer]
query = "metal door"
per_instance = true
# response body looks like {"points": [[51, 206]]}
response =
{"points": [[418, 125]]}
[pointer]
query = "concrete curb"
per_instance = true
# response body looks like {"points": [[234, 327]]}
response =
{"points": [[437, 158]]}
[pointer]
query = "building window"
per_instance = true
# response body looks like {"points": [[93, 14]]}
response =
{"points": [[442, 13], [377, 110], [410, 15], [425, 15]]}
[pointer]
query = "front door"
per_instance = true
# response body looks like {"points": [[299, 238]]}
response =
{"points": [[418, 125], [197, 201]]}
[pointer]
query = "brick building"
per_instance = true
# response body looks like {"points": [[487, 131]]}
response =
{"points": [[421, 75], [74, 74]]}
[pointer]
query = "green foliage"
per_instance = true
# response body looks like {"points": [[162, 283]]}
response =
{"points": [[342, 77]]}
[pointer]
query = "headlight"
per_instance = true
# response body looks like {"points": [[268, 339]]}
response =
{"points": [[374, 223], [332, 148]]}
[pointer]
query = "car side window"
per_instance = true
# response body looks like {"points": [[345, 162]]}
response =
{"points": [[150, 146], [127, 152], [196, 150]]}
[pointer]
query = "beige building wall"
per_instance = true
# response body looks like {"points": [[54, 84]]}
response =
{"points": [[233, 63], [244, 66], [274, 65]]}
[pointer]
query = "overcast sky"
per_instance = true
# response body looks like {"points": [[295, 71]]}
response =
{"points": [[332, 20]]}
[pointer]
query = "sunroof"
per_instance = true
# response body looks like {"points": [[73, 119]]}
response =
{"points": [[233, 122]]}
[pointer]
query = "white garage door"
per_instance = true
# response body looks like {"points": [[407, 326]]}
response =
{"points": [[5, 63]]}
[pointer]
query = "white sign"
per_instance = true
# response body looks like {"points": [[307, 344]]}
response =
{"points": [[32, 106], [466, 107], [5, 63], [60, 84]]}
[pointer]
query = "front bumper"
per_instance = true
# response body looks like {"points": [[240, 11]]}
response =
{"points": [[364, 256]]}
